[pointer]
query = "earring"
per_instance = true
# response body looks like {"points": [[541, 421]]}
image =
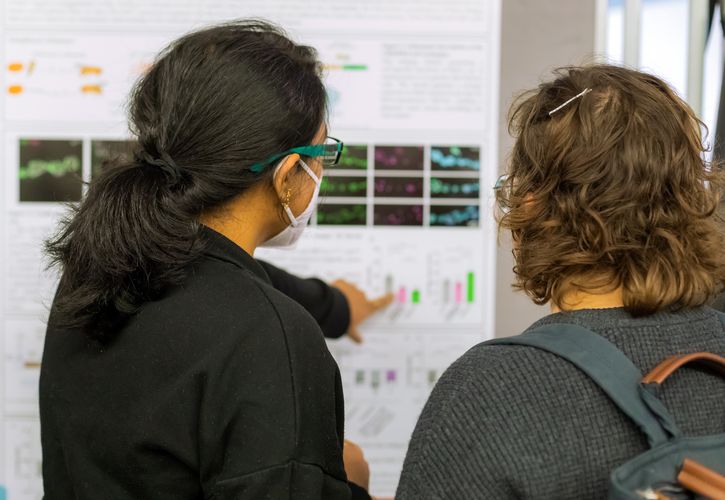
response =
{"points": [[287, 198]]}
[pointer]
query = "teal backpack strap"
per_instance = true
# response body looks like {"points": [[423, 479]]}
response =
{"points": [[606, 365]]}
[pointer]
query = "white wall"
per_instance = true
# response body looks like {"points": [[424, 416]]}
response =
{"points": [[536, 37]]}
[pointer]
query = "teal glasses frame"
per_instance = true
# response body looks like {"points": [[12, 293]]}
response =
{"points": [[329, 152]]}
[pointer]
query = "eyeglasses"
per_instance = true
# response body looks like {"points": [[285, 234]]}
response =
{"points": [[500, 182], [501, 189], [329, 153]]}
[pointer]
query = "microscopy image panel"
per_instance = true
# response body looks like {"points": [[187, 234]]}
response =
{"points": [[455, 215], [50, 170], [455, 159], [399, 157], [341, 215], [398, 215]]}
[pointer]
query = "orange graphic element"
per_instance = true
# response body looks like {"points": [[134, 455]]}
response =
{"points": [[15, 66], [91, 70], [15, 89], [31, 364], [91, 89]]}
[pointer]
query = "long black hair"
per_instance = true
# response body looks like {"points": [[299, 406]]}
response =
{"points": [[214, 103]]}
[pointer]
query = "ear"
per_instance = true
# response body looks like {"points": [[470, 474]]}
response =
{"points": [[283, 175]]}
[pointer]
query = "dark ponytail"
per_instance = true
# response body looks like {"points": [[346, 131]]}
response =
{"points": [[215, 102]]}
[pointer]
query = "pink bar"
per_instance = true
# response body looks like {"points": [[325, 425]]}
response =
{"points": [[402, 295], [459, 292]]}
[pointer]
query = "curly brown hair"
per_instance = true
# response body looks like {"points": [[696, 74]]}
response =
{"points": [[612, 191]]}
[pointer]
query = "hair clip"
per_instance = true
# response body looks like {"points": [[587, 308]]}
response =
{"points": [[580, 94]]}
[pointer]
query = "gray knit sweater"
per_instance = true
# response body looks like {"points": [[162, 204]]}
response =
{"points": [[516, 422]]}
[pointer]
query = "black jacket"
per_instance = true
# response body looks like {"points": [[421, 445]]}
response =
{"points": [[223, 389], [325, 303]]}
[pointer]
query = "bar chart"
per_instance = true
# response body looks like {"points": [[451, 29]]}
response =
{"points": [[433, 281]]}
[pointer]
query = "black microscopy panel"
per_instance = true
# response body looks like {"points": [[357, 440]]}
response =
{"points": [[398, 215], [455, 215], [338, 185], [455, 159], [454, 188], [342, 214], [399, 157], [399, 187], [108, 152], [353, 157], [50, 170]]}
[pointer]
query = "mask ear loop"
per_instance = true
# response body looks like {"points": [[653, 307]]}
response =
{"points": [[310, 172], [292, 219], [288, 195]]}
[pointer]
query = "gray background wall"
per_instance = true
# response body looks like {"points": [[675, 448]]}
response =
{"points": [[536, 37]]}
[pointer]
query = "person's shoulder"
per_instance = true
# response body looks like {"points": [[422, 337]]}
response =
{"points": [[222, 278], [258, 304], [490, 364], [221, 303], [486, 372], [478, 395], [222, 284]]}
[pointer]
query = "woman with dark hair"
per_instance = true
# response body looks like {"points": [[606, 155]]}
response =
{"points": [[611, 208], [172, 367]]}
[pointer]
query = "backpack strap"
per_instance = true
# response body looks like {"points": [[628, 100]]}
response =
{"points": [[665, 369], [606, 365], [661, 372]]}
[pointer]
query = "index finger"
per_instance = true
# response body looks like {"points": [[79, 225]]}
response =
{"points": [[381, 302]]}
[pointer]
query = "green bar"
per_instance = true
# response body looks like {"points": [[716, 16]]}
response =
{"points": [[470, 288], [354, 67], [416, 296]]}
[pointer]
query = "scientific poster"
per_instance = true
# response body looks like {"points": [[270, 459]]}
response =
{"points": [[413, 92]]}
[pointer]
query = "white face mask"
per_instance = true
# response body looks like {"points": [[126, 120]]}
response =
{"points": [[290, 235]]}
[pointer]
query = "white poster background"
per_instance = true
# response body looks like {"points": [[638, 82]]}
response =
{"points": [[403, 73]]}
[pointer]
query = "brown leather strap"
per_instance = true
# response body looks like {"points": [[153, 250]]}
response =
{"points": [[660, 372], [701, 480]]}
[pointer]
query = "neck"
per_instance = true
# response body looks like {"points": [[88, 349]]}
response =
{"points": [[240, 222], [234, 232], [576, 300]]}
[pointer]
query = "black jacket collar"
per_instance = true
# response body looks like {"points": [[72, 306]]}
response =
{"points": [[221, 247]]}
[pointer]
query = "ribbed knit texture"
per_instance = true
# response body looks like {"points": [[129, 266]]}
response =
{"points": [[517, 422]]}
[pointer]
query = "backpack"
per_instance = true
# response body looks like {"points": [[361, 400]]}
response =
{"points": [[675, 466]]}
